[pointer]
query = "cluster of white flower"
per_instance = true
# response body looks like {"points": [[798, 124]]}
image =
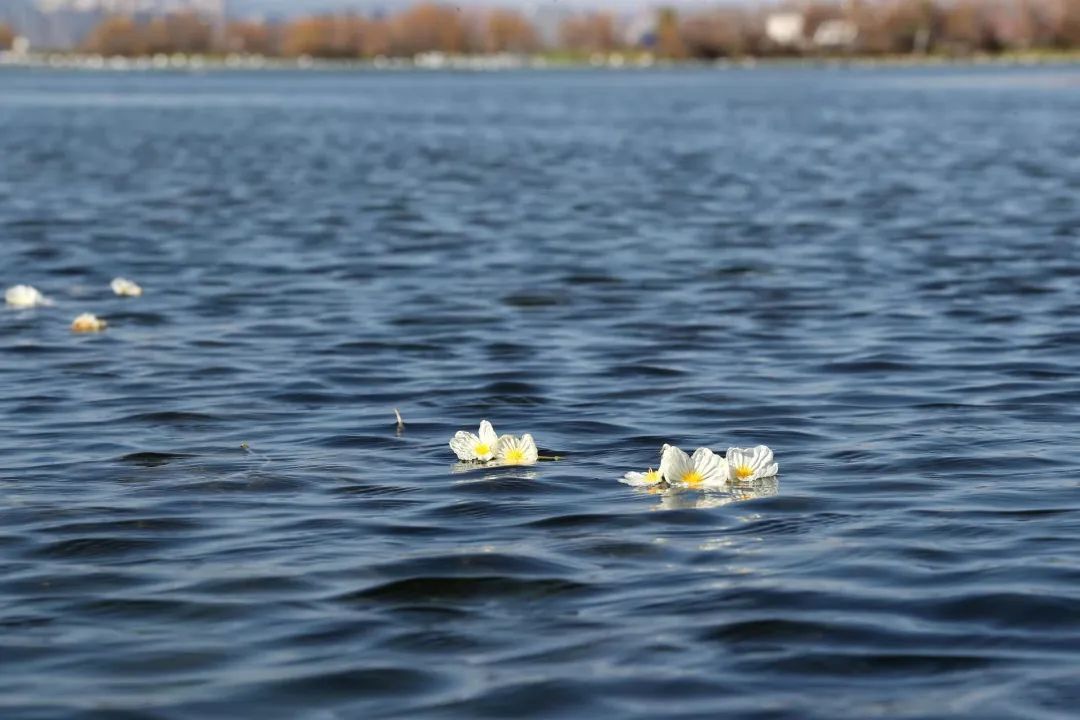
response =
{"points": [[705, 470], [26, 296], [487, 448]]}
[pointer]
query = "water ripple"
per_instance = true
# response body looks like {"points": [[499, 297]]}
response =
{"points": [[209, 509]]}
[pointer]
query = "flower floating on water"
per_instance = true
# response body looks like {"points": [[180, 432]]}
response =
{"points": [[470, 446], [490, 449], [649, 478], [123, 286], [517, 451], [749, 464], [24, 296], [88, 323], [704, 470]]}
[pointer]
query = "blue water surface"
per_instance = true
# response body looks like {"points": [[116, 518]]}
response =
{"points": [[207, 511]]}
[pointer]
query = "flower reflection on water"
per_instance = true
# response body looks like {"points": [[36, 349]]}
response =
{"points": [[680, 499]]}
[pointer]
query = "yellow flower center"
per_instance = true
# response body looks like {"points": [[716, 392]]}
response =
{"points": [[515, 456], [692, 478], [482, 449], [652, 476], [744, 471]]}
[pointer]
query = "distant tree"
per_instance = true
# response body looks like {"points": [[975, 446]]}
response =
{"points": [[1030, 25], [375, 38], [815, 13], [508, 31], [304, 37], [185, 32], [7, 37], [669, 41], [884, 26], [336, 36], [253, 38], [1066, 24], [910, 25], [966, 26], [593, 32], [718, 33], [429, 27], [115, 35]]}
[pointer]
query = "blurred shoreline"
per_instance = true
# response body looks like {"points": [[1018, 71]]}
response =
{"points": [[436, 61]]}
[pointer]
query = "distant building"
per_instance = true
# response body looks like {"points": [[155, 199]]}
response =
{"points": [[206, 7], [836, 34], [785, 28], [63, 24]]}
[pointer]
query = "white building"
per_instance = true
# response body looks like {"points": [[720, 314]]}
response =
{"points": [[785, 28], [836, 34]]}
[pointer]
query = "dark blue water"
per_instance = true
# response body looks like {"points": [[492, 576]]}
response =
{"points": [[876, 273]]}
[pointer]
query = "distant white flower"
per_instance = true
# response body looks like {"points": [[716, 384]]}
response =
{"points": [[646, 479], [704, 470], [24, 296], [517, 451], [123, 286], [469, 446], [748, 464], [87, 323]]}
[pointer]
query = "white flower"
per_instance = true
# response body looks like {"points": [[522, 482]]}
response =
{"points": [[517, 451], [468, 446], [646, 479], [704, 470], [123, 286], [24, 296], [748, 464], [87, 323]]}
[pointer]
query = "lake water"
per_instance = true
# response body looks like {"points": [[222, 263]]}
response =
{"points": [[875, 272]]}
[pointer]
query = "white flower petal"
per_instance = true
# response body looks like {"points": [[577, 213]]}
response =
{"points": [[669, 459], [529, 445], [762, 456], [517, 451], [678, 467], [642, 479], [712, 468], [748, 464], [463, 443], [487, 434]]}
